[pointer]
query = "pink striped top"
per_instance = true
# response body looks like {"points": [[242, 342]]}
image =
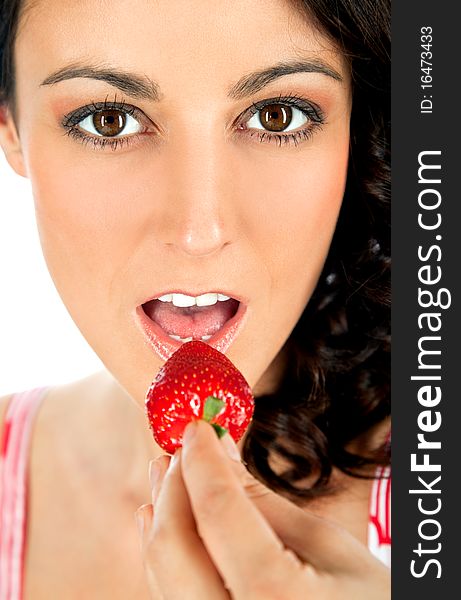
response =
{"points": [[14, 449], [379, 524]]}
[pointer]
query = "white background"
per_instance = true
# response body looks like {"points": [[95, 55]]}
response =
{"points": [[39, 343]]}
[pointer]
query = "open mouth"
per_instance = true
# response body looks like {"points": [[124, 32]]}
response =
{"points": [[175, 318]]}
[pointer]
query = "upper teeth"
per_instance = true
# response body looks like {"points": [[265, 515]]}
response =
{"points": [[183, 300]]}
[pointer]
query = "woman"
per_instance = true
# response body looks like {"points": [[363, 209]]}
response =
{"points": [[180, 150]]}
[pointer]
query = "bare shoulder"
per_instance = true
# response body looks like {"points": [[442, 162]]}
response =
{"points": [[78, 503], [57, 399], [65, 409], [72, 424]]}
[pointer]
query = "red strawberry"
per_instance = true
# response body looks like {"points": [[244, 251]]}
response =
{"points": [[198, 382]]}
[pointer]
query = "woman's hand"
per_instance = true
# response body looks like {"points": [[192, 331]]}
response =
{"points": [[215, 532]]}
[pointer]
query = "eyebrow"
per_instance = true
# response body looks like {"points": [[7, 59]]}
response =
{"points": [[142, 87], [137, 86], [252, 83]]}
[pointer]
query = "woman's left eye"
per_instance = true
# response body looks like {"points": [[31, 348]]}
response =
{"points": [[284, 120], [277, 118], [110, 123]]}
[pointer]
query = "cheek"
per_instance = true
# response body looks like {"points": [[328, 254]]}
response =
{"points": [[300, 203], [88, 210]]}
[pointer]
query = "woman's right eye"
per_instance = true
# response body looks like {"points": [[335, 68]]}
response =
{"points": [[107, 124], [110, 123]]}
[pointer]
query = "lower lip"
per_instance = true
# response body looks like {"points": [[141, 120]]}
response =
{"points": [[165, 346]]}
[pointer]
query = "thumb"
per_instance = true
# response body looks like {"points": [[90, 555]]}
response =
{"points": [[315, 540], [253, 488]]}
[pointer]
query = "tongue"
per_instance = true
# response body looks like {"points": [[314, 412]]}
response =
{"points": [[195, 321]]}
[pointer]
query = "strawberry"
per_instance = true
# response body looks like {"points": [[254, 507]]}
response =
{"points": [[197, 382]]}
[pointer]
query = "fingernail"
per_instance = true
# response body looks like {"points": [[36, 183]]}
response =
{"points": [[154, 473], [140, 521], [189, 432], [231, 448]]}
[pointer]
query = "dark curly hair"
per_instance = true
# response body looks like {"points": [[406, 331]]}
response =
{"points": [[336, 384]]}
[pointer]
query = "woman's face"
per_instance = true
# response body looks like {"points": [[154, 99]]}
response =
{"points": [[182, 147]]}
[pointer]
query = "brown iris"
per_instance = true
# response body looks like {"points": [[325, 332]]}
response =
{"points": [[109, 122], [276, 117]]}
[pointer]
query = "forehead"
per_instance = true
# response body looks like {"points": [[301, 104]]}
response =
{"points": [[209, 42]]}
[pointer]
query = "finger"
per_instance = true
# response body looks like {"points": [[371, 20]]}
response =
{"points": [[315, 540], [175, 552], [242, 544], [144, 516], [157, 471]]}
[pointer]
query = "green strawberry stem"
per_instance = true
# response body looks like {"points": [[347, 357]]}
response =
{"points": [[220, 431], [213, 406]]}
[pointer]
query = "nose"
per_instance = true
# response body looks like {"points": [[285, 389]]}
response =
{"points": [[198, 217]]}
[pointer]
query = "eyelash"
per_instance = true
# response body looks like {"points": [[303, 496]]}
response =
{"points": [[70, 123], [313, 112]]}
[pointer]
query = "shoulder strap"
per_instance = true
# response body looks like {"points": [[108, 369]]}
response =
{"points": [[14, 448], [379, 525]]}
